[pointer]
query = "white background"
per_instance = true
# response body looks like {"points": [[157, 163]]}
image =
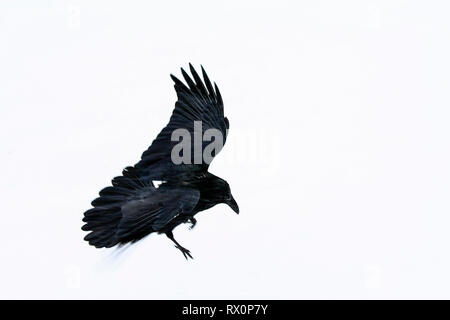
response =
{"points": [[338, 152]]}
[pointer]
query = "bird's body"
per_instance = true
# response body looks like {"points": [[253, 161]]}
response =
{"points": [[134, 207]]}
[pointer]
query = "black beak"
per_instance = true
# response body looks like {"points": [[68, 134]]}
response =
{"points": [[233, 205]]}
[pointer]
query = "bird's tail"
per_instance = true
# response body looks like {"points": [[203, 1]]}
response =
{"points": [[103, 222], [103, 219]]}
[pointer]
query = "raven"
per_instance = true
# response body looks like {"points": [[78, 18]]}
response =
{"points": [[134, 206]]}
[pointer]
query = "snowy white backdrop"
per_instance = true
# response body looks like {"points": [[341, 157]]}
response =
{"points": [[338, 153]]}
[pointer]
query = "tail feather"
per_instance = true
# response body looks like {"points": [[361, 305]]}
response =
{"points": [[103, 220]]}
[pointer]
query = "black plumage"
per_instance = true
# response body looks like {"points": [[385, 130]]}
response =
{"points": [[134, 207]]}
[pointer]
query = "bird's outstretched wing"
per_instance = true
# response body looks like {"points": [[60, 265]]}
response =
{"points": [[198, 101], [132, 208]]}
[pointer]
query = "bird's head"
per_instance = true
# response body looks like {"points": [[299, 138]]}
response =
{"points": [[219, 191], [229, 200]]}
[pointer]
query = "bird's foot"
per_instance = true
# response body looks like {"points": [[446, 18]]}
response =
{"points": [[186, 253], [193, 223]]}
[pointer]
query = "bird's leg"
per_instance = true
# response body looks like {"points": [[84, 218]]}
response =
{"points": [[193, 222], [186, 253]]}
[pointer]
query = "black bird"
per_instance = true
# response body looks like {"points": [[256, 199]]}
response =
{"points": [[134, 207]]}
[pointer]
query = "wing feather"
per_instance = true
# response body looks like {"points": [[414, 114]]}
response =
{"points": [[197, 101]]}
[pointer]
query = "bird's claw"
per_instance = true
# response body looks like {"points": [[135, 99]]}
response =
{"points": [[186, 253]]}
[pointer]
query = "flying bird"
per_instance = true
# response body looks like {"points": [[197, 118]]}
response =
{"points": [[134, 206]]}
